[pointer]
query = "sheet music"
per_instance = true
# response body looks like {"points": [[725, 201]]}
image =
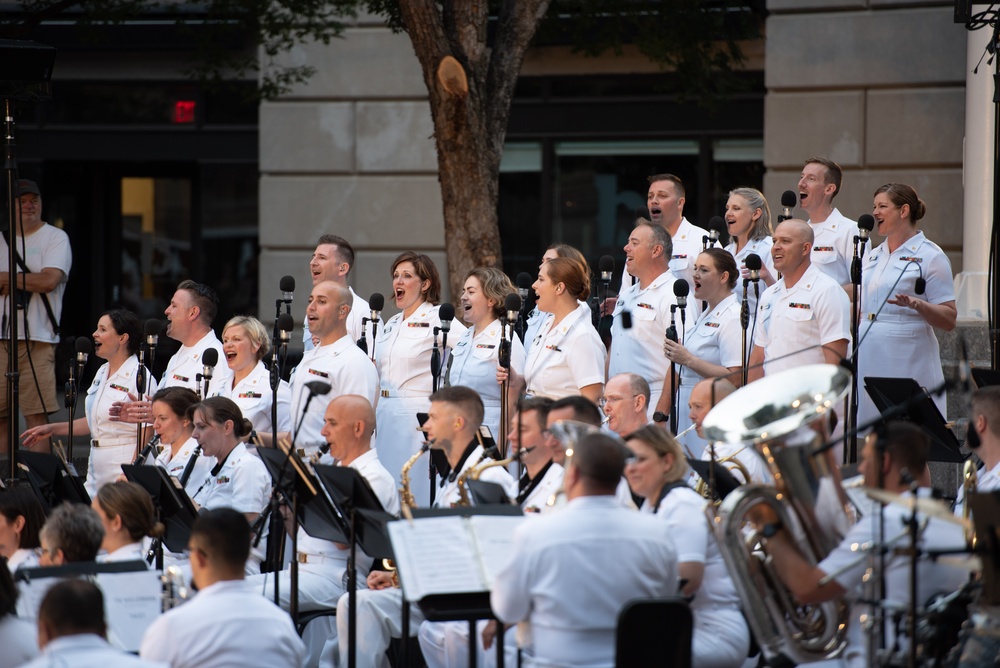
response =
{"points": [[493, 536], [131, 602]]}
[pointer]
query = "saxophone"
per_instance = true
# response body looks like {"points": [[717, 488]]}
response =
{"points": [[970, 480], [406, 503], [478, 471], [463, 491]]}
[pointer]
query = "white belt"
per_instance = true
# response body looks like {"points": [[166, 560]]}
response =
{"points": [[894, 317], [110, 442]]}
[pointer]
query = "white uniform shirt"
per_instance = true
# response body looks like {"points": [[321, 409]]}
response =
{"points": [[253, 396], [46, 247], [19, 639], [185, 365], [22, 558], [226, 624], [360, 310], [537, 493], [404, 350], [639, 349], [130, 552], [558, 576], [565, 358], [797, 320], [242, 484], [175, 465], [986, 481], [449, 494], [687, 244], [88, 650], [762, 247], [346, 369], [534, 322], [833, 248], [745, 455], [716, 338], [106, 390]]}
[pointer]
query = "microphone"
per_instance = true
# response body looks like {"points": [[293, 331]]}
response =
{"points": [[607, 266], [285, 326], [317, 388], [524, 284], [716, 225], [866, 223], [681, 290], [672, 329], [209, 359], [788, 201], [446, 313], [287, 287], [512, 304], [753, 263], [84, 347], [151, 329], [920, 285], [376, 302]]}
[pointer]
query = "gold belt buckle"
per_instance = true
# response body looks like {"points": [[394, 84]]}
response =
{"points": [[301, 453], [303, 558], [870, 316], [385, 393]]}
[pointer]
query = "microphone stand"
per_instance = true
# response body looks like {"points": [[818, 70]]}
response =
{"points": [[71, 405], [851, 442], [363, 341], [673, 376], [141, 387], [503, 358], [374, 322], [436, 361], [744, 324], [675, 411]]}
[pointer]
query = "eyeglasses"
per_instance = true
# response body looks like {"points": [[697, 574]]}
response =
{"points": [[613, 399]]}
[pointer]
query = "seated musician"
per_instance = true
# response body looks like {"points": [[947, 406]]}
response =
{"points": [[704, 396], [72, 630], [73, 533], [447, 643], [126, 511], [454, 418], [227, 623], [572, 571], [896, 462]]}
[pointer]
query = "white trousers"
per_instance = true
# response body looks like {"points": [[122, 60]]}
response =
{"points": [[379, 616], [721, 638], [105, 465], [446, 645]]}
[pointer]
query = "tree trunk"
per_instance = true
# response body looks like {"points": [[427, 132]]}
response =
{"points": [[469, 129]]}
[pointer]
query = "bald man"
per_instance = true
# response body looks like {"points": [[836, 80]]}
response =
{"points": [[805, 317], [348, 424], [704, 396], [625, 403], [336, 361]]}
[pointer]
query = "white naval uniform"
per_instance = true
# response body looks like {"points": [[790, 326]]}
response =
{"points": [[130, 552], [346, 369], [19, 639], [175, 465], [986, 481], [815, 311], [721, 637], [88, 650], [446, 644], [558, 576], [23, 558], [932, 576], [226, 624], [112, 443], [565, 358], [762, 247], [687, 246], [360, 309], [716, 338], [474, 361], [243, 484], [900, 343], [833, 247], [379, 612], [746, 455], [403, 355], [185, 365], [254, 397], [534, 322], [639, 349]]}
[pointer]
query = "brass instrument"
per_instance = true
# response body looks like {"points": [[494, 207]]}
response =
{"points": [[970, 479], [733, 465], [783, 417], [406, 502], [568, 432], [175, 589], [478, 471]]}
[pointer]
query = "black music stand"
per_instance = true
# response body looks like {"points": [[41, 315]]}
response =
{"points": [[52, 480], [174, 507], [716, 476], [486, 493], [360, 513], [466, 606], [984, 377], [905, 398]]}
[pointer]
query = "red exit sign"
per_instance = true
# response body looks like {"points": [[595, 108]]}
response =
{"points": [[184, 111]]}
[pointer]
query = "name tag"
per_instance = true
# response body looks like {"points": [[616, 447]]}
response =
{"points": [[798, 305], [317, 372]]}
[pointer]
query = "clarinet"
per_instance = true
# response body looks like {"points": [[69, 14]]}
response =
{"points": [[189, 467], [147, 451]]}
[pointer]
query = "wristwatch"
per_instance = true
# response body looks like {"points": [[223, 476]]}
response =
{"points": [[660, 416], [771, 529]]}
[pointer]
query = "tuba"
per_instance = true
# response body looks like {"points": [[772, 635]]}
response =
{"points": [[970, 481], [784, 418], [568, 432]]}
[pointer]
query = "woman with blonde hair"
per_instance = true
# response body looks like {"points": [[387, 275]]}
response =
{"points": [[749, 219], [657, 471]]}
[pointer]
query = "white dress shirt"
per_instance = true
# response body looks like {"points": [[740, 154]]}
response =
{"points": [[88, 650], [175, 465], [226, 624], [687, 245], [185, 365], [761, 248], [19, 640], [254, 397], [566, 357], [360, 311]]}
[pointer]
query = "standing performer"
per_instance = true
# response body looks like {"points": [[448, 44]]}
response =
{"points": [[473, 362], [834, 233], [536, 318], [112, 443], [749, 220], [245, 344], [333, 260], [173, 424], [899, 341], [403, 355], [711, 348]]}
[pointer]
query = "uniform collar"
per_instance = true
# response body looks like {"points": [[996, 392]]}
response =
{"points": [[806, 282], [833, 222], [723, 305]]}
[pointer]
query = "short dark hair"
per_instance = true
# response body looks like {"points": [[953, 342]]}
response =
{"points": [[426, 270], [75, 529], [345, 251], [126, 322], [541, 406], [723, 261], [834, 174], [584, 410], [907, 445], [223, 534], [465, 399], [986, 402], [73, 607], [8, 593], [601, 459], [179, 399], [19, 501], [204, 298], [668, 177]]}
